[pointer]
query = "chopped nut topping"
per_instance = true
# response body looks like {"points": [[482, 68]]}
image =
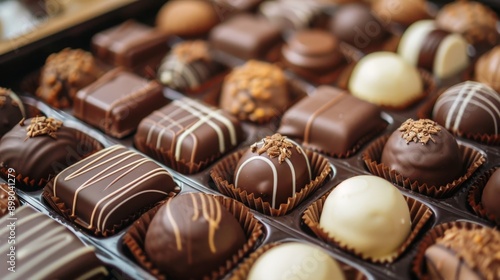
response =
{"points": [[419, 131], [276, 146], [479, 248], [190, 51], [42, 126], [4, 93]]}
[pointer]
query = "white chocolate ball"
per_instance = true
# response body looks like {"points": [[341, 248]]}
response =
{"points": [[294, 260], [384, 78], [368, 214]]}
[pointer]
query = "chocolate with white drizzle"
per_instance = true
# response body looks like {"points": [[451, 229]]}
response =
{"points": [[192, 235], [45, 249], [188, 132], [107, 188], [273, 169]]}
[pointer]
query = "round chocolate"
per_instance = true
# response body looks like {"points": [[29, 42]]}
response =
{"points": [[386, 79], [487, 69], [39, 148], [11, 110], [273, 169], [312, 50], [188, 18], [187, 66], [404, 12], [356, 25], [256, 91], [491, 196], [363, 211], [294, 260], [474, 20], [191, 236], [464, 254], [436, 50], [424, 151], [64, 74], [469, 108]]}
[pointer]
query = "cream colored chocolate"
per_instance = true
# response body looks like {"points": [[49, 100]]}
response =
{"points": [[368, 214], [446, 52], [295, 260], [385, 79]]}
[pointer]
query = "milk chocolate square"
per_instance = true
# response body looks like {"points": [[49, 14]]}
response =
{"points": [[332, 121], [129, 44], [245, 36], [117, 102]]}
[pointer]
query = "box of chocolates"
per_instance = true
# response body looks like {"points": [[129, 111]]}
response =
{"points": [[278, 139]]}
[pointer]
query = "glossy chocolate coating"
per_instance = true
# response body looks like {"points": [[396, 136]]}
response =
{"points": [[11, 110], [108, 187], [312, 50], [356, 25], [469, 107], [188, 131], [268, 177], [487, 69], [129, 44], [117, 102], [429, 48], [41, 157], [188, 65], [326, 122], [443, 263], [404, 12], [51, 250], [436, 162], [491, 195], [245, 36], [7, 205], [463, 253], [192, 235]]}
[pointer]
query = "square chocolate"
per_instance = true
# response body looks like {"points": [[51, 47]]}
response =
{"points": [[109, 189], [40, 248], [332, 121], [129, 44], [246, 37], [187, 135], [117, 102]]}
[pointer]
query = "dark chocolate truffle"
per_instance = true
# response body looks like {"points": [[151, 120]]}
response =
{"points": [[356, 25], [245, 36], [273, 169], [45, 249], [491, 195], [130, 45], [192, 235], [39, 148], [188, 135], [469, 108], [465, 254], [326, 122], [63, 74], [256, 91], [103, 192], [487, 69], [423, 151], [188, 65], [474, 20], [11, 110], [8, 198], [118, 101], [312, 51]]}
